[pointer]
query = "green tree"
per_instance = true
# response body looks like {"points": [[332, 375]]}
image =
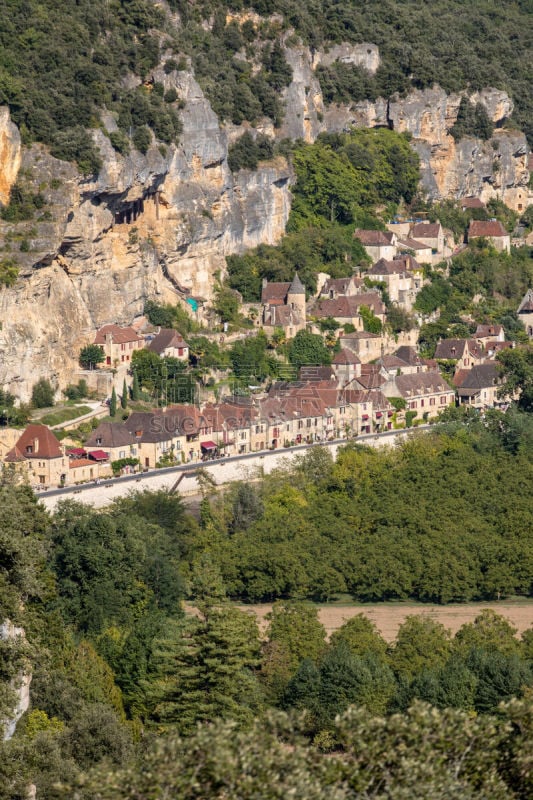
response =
{"points": [[361, 636], [489, 631], [517, 369], [91, 356], [124, 395], [420, 643], [308, 349], [42, 395], [135, 388], [205, 669], [113, 403], [226, 304]]}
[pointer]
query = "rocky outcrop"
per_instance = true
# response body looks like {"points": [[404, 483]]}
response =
{"points": [[21, 685], [10, 152], [155, 226], [160, 225], [448, 169]]}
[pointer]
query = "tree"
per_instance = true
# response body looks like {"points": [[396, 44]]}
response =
{"points": [[135, 388], [205, 669], [517, 370], [489, 631], [226, 303], [124, 396], [308, 349], [420, 643], [113, 403], [91, 356], [361, 636], [42, 395]]}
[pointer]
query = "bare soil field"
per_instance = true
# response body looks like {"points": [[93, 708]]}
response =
{"points": [[389, 616]]}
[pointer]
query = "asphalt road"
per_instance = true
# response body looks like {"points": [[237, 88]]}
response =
{"points": [[192, 467]]}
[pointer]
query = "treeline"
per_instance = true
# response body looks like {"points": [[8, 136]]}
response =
{"points": [[446, 517]]}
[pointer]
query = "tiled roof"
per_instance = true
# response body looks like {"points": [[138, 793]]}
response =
{"points": [[120, 335], [421, 383], [454, 348], [296, 286], [472, 202], [275, 292], [345, 356], [411, 244], [41, 441], [484, 331], [481, 376], [481, 228], [14, 456], [110, 434], [374, 238], [425, 230], [167, 337]]}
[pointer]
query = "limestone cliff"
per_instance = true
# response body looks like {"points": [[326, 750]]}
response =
{"points": [[448, 169], [149, 226], [160, 225]]}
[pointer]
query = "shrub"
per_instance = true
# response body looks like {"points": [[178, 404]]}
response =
{"points": [[42, 395], [142, 139]]}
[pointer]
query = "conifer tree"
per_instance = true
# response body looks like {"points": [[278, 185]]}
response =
{"points": [[113, 403], [124, 398], [135, 388]]}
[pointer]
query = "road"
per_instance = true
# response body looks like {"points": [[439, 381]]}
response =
{"points": [[223, 470]]}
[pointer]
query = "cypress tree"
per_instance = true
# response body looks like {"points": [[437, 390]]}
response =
{"points": [[135, 389], [124, 398], [113, 403]]}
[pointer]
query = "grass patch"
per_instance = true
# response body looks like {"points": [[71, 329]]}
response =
{"points": [[66, 414]]}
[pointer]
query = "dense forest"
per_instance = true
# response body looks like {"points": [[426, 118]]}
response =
{"points": [[62, 64], [119, 670]]}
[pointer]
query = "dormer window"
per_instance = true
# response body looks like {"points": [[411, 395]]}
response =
{"points": [[29, 449], [99, 440]]}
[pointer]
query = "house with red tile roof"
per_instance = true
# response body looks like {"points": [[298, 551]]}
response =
{"points": [[479, 386], [465, 352], [118, 343], [493, 231]]}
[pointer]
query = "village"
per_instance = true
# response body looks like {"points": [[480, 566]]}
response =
{"points": [[376, 382]]}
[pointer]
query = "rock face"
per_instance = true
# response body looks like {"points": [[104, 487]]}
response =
{"points": [[155, 226], [160, 225], [9, 154], [21, 685]]}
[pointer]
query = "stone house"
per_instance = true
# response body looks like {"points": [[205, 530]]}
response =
{"points": [[493, 231], [169, 343], [155, 435], [424, 392], [346, 366], [479, 386], [118, 344], [284, 306], [465, 352], [402, 283], [367, 346], [41, 456], [485, 334], [378, 244], [114, 439], [429, 234], [422, 252], [340, 287]]}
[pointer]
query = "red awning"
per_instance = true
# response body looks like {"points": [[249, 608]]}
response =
{"points": [[365, 416], [208, 446], [379, 414], [77, 452], [98, 455]]}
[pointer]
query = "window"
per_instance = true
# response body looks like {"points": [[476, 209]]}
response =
{"points": [[443, 400], [98, 440], [29, 449], [412, 404], [122, 454], [431, 401], [422, 403]]}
